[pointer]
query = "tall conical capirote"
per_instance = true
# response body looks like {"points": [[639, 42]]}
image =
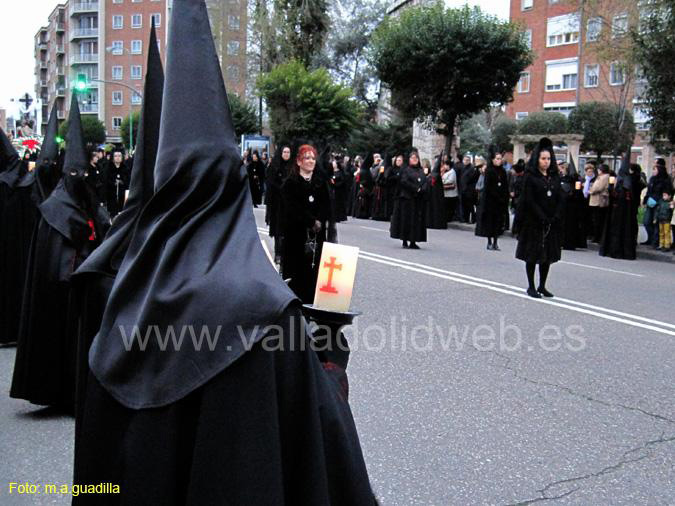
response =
{"points": [[107, 258], [50, 148], [195, 262], [624, 179], [8, 155], [76, 154]]}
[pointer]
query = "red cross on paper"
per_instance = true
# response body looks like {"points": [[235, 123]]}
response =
{"points": [[30, 144], [332, 266]]}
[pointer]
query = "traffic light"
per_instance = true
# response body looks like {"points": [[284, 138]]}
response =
{"points": [[81, 82]]}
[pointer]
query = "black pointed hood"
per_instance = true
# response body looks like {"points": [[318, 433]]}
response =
{"points": [[50, 148], [8, 154], [195, 263], [624, 178], [76, 155], [47, 173]]}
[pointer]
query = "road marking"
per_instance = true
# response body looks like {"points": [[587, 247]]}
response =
{"points": [[515, 291], [571, 305], [602, 269], [373, 228]]}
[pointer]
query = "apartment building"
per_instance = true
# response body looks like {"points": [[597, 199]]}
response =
{"points": [[105, 42], [568, 69]]}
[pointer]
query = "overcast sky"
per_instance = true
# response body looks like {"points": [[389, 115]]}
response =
{"points": [[19, 21]]}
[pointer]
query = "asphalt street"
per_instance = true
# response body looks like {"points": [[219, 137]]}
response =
{"points": [[464, 390]]}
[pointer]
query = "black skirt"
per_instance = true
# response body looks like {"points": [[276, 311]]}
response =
{"points": [[409, 221], [539, 244]]}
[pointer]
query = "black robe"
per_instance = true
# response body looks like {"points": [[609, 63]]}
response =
{"points": [[339, 185], [305, 202], [574, 235], [382, 202], [116, 184], [493, 203], [437, 212], [409, 221], [363, 193], [277, 171], [273, 428], [470, 175], [18, 215], [619, 239], [44, 371], [539, 212], [256, 175]]}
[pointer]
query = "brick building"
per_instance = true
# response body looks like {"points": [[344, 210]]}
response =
{"points": [[567, 69], [106, 42]]}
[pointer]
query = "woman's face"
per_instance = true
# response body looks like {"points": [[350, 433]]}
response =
{"points": [[497, 160], [286, 154], [544, 160], [655, 170], [414, 160], [255, 157], [399, 161], [308, 162], [589, 173]]}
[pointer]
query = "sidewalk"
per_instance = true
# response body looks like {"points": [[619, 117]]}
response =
{"points": [[643, 252]]}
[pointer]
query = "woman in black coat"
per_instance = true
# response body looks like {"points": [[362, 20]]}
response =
{"points": [[408, 222], [540, 212], [493, 202], [277, 172], [256, 175], [307, 213]]}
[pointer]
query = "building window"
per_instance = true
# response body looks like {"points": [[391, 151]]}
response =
{"points": [[593, 29], [562, 30], [117, 22], [233, 22], [136, 46], [136, 20], [233, 48], [136, 72], [619, 25], [591, 75], [117, 98], [117, 47], [117, 1], [117, 122], [528, 38], [136, 1], [521, 115], [117, 73], [157, 18], [135, 98], [562, 108], [524, 83], [233, 73], [526, 5], [561, 75], [616, 76]]}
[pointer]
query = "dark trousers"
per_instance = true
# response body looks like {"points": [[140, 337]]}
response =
{"points": [[599, 218], [450, 208], [651, 227], [469, 208]]}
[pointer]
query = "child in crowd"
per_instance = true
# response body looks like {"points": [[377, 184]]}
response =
{"points": [[664, 214]]}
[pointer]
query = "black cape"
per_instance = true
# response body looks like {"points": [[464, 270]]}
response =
{"points": [[409, 221], [436, 211], [493, 203]]}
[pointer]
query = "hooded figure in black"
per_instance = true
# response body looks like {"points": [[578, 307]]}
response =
{"points": [[71, 227], [409, 221], [209, 424], [277, 171], [349, 170], [436, 209], [493, 202], [470, 176], [619, 239], [339, 184], [574, 234], [539, 214], [48, 171], [256, 174], [382, 203], [117, 177], [363, 189], [93, 281]]}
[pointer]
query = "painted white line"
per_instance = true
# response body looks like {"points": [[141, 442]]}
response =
{"points": [[373, 228], [602, 269], [518, 291]]}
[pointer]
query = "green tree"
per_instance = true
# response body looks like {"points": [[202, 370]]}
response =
{"points": [[244, 116], [124, 129], [303, 26], [502, 130], [655, 45], [391, 138], [599, 123], [543, 123], [474, 134], [93, 130], [443, 64], [307, 104]]}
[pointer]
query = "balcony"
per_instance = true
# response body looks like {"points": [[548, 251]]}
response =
{"points": [[60, 92], [43, 65], [61, 114], [84, 58], [78, 33], [79, 7], [43, 83], [89, 108], [60, 49], [42, 46], [60, 71], [60, 27]]}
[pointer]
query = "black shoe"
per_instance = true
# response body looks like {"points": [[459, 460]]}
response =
{"points": [[405, 245], [495, 248], [533, 293], [644, 243], [414, 246], [489, 246], [544, 292]]}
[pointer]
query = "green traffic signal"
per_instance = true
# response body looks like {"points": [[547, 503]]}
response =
{"points": [[81, 83]]}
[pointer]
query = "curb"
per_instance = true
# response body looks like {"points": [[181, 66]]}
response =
{"points": [[643, 252]]}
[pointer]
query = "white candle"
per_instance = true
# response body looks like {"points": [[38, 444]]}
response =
{"points": [[337, 272]]}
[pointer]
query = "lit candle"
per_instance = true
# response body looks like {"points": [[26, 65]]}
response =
{"points": [[337, 272], [577, 185], [612, 180], [31, 166]]}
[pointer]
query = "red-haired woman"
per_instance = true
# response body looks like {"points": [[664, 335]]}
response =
{"points": [[307, 212]]}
